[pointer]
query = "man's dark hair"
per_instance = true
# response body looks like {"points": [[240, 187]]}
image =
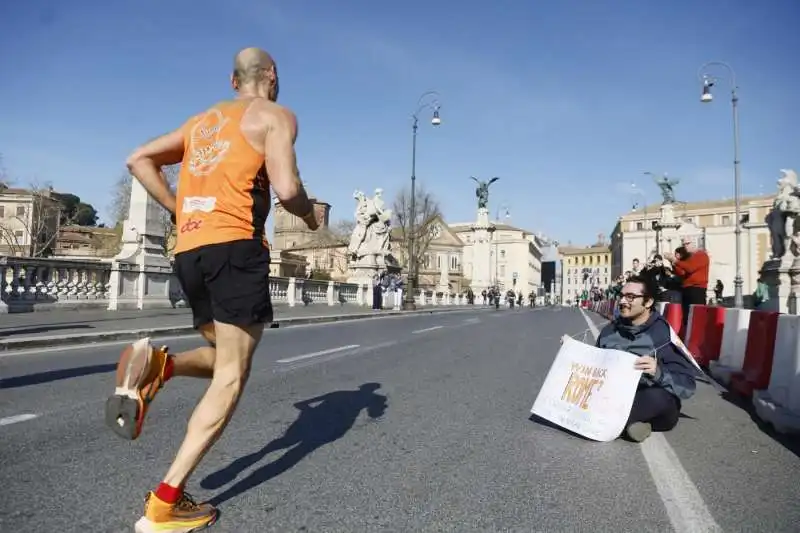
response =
{"points": [[649, 287]]}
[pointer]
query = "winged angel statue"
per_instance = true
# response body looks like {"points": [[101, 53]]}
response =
{"points": [[482, 191]]}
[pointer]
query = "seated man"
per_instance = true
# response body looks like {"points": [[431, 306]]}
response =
{"points": [[667, 377]]}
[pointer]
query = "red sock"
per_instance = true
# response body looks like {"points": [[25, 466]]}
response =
{"points": [[169, 494], [169, 368]]}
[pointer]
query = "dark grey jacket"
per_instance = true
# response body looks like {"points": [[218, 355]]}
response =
{"points": [[674, 373]]}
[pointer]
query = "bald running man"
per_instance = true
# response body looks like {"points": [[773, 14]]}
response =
{"points": [[230, 154]]}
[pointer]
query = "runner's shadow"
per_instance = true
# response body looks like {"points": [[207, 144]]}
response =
{"points": [[328, 421]]}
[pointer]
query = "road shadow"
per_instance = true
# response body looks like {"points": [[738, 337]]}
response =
{"points": [[790, 442], [42, 329], [55, 375], [332, 416]]}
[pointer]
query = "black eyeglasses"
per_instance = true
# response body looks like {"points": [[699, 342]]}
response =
{"points": [[631, 297]]}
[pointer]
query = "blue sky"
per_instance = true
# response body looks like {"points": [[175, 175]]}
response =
{"points": [[567, 101]]}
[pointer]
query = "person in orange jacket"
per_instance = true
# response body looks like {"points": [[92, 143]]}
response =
{"points": [[691, 265]]}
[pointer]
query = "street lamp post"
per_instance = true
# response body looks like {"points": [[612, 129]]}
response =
{"points": [[428, 100], [708, 83]]}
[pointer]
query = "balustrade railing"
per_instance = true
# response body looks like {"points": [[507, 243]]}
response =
{"points": [[31, 284]]}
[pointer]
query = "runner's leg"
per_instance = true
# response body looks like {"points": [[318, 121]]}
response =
{"points": [[235, 347], [198, 362]]}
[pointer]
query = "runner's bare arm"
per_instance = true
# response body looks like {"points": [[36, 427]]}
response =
{"points": [[281, 164], [146, 161]]}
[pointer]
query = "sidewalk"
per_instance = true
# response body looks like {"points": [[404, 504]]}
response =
{"points": [[34, 330]]}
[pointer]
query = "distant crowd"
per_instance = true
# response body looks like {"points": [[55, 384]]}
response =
{"points": [[680, 277]]}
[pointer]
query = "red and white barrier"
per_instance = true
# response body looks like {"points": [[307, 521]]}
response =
{"points": [[755, 353], [704, 333], [779, 404], [734, 345]]}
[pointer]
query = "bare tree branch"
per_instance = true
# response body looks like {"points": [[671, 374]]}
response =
{"points": [[427, 211], [342, 229], [121, 201]]}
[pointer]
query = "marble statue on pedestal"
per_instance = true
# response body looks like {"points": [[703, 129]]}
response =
{"points": [[667, 187], [370, 245], [781, 219], [482, 191], [781, 272]]}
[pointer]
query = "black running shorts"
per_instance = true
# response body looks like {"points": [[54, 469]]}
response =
{"points": [[226, 282]]}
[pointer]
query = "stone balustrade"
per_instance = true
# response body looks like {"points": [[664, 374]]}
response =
{"points": [[36, 284]]}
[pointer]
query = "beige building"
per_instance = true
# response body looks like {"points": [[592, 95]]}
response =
{"points": [[28, 221], [584, 268], [85, 242], [446, 252], [296, 251], [515, 257], [711, 225]]}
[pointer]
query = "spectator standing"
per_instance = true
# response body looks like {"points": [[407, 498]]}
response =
{"points": [[691, 265]]}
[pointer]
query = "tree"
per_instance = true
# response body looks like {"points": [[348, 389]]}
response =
{"points": [[75, 211], [427, 211], [121, 201], [32, 229], [342, 229]]}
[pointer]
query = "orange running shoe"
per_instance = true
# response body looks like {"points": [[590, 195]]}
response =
{"points": [[185, 516], [140, 375]]}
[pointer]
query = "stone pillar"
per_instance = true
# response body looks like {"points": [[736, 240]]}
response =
{"points": [[331, 294], [482, 232], [140, 273], [291, 292]]}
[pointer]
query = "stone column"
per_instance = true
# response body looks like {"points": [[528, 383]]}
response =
{"points": [[482, 232], [140, 273]]}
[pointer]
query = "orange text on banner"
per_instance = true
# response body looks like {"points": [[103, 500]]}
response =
{"points": [[583, 380]]}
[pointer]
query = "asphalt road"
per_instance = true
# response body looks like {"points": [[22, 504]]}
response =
{"points": [[441, 442]]}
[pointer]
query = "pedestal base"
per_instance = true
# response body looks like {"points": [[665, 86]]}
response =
{"points": [[778, 275], [143, 283]]}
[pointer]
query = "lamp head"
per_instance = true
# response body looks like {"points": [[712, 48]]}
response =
{"points": [[707, 96], [436, 120]]}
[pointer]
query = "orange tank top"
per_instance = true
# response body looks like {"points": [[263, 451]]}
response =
{"points": [[223, 193]]}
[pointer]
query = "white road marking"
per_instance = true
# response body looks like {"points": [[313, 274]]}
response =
{"points": [[194, 335], [426, 330], [685, 507], [17, 418], [317, 354], [472, 321], [284, 369]]}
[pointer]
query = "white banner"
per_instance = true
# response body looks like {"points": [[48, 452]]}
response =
{"points": [[589, 390], [676, 340]]}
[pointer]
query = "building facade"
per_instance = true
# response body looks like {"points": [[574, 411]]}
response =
{"points": [[446, 253], [711, 225], [584, 269], [515, 257], [29, 221]]}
